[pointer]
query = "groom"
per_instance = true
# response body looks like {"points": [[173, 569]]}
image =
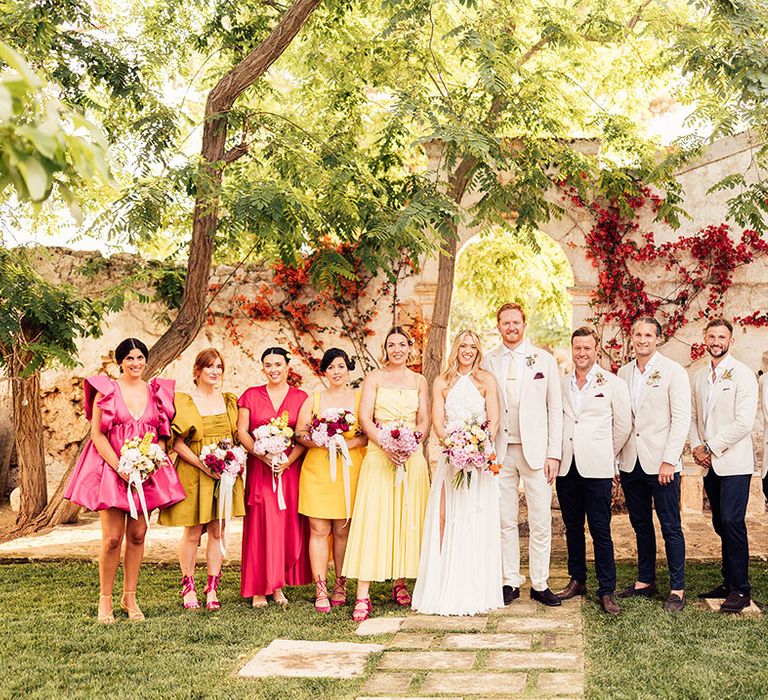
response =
{"points": [[528, 445]]}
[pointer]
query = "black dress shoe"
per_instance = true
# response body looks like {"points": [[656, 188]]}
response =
{"points": [[674, 603], [609, 605], [735, 602], [632, 592], [717, 592], [546, 597], [573, 589], [510, 594]]}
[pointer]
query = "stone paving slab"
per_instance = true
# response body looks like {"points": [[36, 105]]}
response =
{"points": [[379, 625], [439, 622], [300, 658], [518, 607], [412, 640], [561, 684], [474, 683], [428, 660], [388, 683], [538, 624], [487, 641], [562, 641], [715, 603], [501, 660]]}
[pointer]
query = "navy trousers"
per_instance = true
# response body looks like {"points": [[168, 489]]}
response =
{"points": [[582, 498], [643, 493], [728, 496]]}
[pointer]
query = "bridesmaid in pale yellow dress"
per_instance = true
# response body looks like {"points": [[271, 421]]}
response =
{"points": [[203, 417], [328, 503], [385, 536]]}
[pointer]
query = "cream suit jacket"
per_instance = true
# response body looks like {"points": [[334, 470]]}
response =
{"points": [[662, 420], [598, 432], [541, 408], [764, 404], [729, 418]]}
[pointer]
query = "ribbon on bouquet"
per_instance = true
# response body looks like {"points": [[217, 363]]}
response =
{"points": [[226, 494], [338, 443], [277, 480], [134, 480]]}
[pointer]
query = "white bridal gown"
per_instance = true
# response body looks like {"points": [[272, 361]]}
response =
{"points": [[463, 575]]}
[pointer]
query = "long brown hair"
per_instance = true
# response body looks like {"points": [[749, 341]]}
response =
{"points": [[206, 358]]}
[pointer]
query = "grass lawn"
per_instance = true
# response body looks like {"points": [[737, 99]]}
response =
{"points": [[51, 647], [646, 653]]}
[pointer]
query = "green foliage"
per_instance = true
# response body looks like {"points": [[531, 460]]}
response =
{"points": [[525, 266], [39, 320], [39, 145]]}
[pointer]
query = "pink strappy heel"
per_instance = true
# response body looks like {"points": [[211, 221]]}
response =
{"points": [[188, 586], [212, 585]]}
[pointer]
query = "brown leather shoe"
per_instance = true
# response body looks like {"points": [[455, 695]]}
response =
{"points": [[631, 592], [609, 605], [573, 589], [674, 603]]}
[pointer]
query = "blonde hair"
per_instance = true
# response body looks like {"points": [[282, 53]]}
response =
{"points": [[452, 362], [395, 330]]}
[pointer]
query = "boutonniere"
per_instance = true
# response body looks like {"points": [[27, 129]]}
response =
{"points": [[600, 379], [530, 360], [727, 376], [654, 377]]}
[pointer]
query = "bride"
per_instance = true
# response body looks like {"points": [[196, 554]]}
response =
{"points": [[460, 565]]}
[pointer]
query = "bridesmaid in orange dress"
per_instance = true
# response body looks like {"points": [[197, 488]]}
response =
{"points": [[275, 552]]}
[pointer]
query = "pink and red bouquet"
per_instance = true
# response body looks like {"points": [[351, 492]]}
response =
{"points": [[399, 438], [331, 422], [224, 457], [468, 448]]}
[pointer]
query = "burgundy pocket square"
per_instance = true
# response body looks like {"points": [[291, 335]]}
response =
{"points": [[599, 396], [539, 375]]}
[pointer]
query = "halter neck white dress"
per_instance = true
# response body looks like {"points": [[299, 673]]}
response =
{"points": [[461, 575]]}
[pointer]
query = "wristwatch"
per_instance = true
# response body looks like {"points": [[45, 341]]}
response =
{"points": [[706, 449]]}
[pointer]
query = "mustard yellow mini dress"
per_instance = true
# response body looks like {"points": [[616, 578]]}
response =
{"points": [[385, 533], [319, 497], [200, 506]]}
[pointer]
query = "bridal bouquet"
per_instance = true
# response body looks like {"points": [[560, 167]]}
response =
{"points": [[399, 438], [272, 440], [139, 457], [227, 460], [468, 448], [329, 424]]}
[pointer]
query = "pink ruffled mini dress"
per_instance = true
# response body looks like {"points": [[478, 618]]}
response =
{"points": [[94, 484]]}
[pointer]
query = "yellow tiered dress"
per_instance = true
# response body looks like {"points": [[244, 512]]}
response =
{"points": [[319, 497], [385, 534], [200, 506]]}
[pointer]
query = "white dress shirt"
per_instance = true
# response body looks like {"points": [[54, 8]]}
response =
{"points": [[638, 378], [578, 394]]}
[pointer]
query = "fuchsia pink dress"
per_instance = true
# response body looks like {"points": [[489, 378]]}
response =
{"points": [[275, 552], [94, 484]]}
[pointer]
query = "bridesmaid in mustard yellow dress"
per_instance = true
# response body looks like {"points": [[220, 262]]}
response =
{"points": [[204, 417], [385, 535], [328, 502]]}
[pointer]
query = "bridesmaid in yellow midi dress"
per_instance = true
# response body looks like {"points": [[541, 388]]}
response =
{"points": [[328, 503], [387, 521], [204, 417]]}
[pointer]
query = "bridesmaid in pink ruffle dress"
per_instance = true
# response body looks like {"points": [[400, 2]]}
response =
{"points": [[118, 411]]}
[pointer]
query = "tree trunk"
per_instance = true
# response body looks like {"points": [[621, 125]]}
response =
{"points": [[30, 454], [6, 435], [446, 268], [191, 316]]}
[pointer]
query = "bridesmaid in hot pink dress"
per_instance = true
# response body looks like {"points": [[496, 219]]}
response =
{"points": [[275, 552], [118, 411]]}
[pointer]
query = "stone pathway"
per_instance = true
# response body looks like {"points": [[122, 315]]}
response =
{"points": [[522, 651]]}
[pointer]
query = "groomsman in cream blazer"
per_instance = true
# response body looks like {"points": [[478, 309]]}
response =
{"points": [[597, 420], [528, 446], [650, 462], [724, 407]]}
